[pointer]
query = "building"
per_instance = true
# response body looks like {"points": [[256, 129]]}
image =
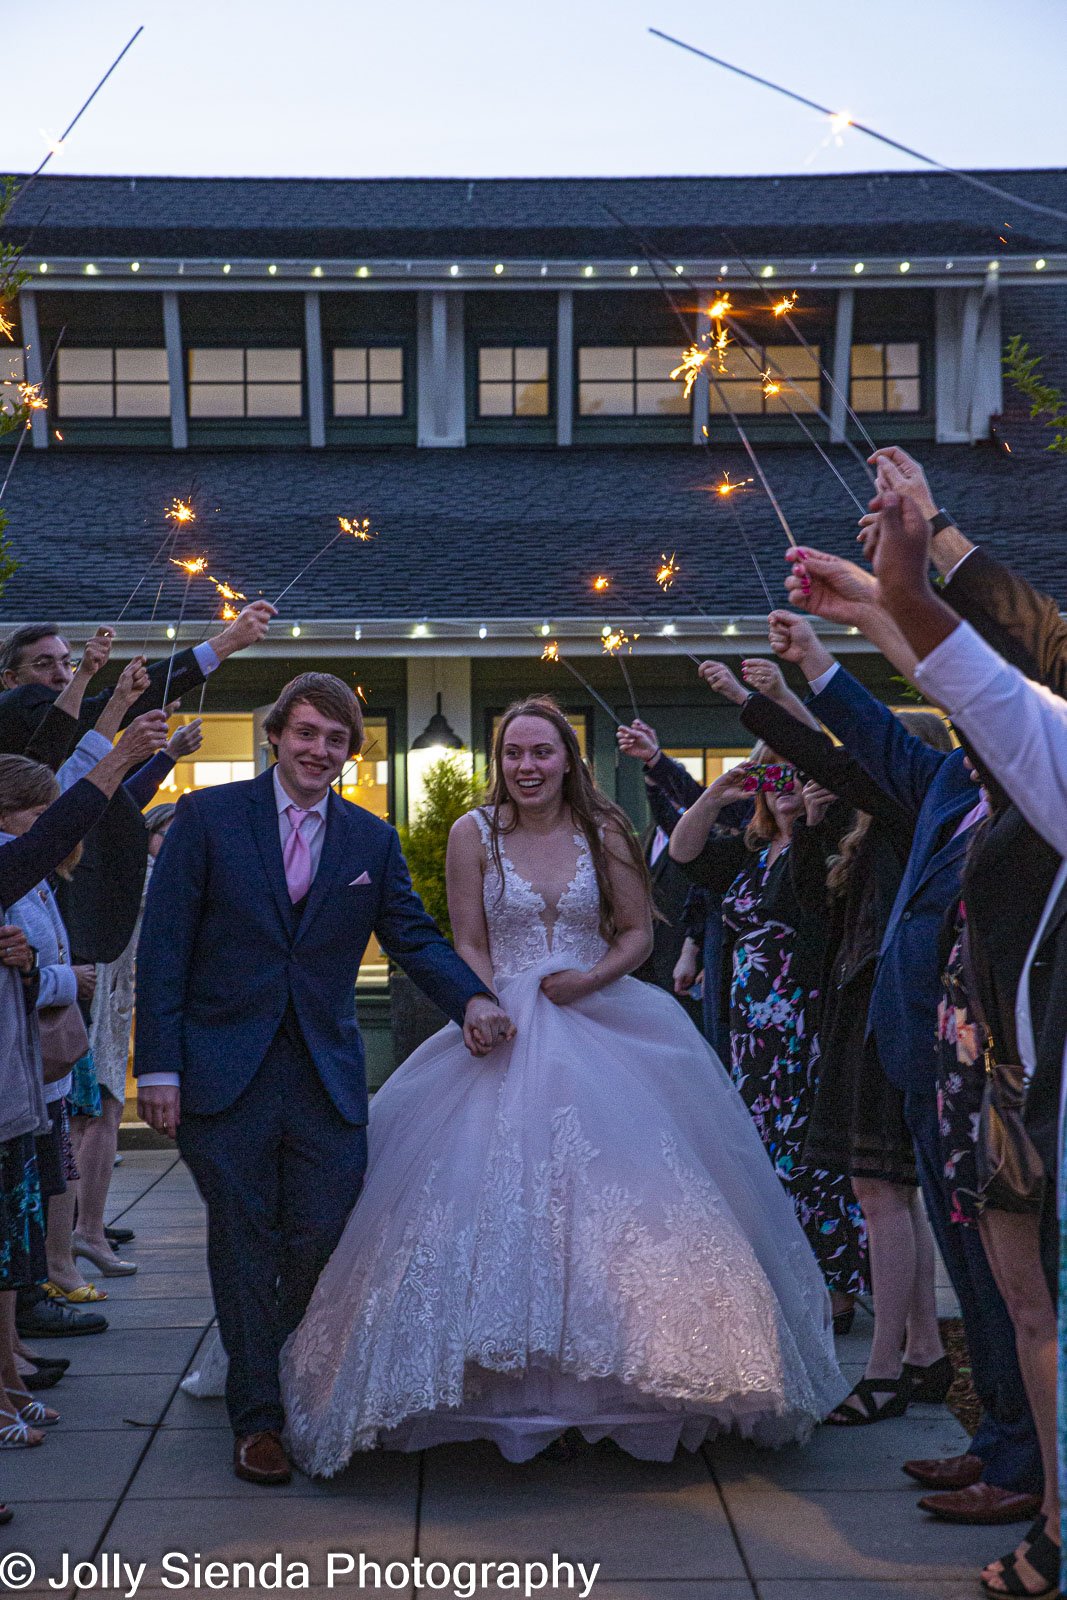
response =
{"points": [[482, 369]]}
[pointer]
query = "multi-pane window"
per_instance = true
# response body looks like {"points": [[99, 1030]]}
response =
{"points": [[771, 381], [513, 381], [12, 373], [368, 381], [112, 383], [629, 381], [245, 383], [706, 764], [886, 377]]}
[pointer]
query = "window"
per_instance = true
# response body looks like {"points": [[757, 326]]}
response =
{"points": [[751, 372], [705, 765], [629, 381], [513, 381], [245, 383], [368, 382], [112, 383], [12, 373], [886, 377]]}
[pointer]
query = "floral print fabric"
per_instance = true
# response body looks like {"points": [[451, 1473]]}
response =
{"points": [[774, 1058]]}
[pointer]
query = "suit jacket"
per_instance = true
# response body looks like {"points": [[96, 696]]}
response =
{"points": [[25, 719], [937, 791], [224, 954]]}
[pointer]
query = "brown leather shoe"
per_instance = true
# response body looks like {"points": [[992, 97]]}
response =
{"points": [[952, 1472], [981, 1503], [259, 1458]]}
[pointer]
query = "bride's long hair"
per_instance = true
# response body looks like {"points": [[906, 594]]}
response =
{"points": [[589, 806]]}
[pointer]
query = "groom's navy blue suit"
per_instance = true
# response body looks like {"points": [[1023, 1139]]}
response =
{"points": [[251, 1001]]}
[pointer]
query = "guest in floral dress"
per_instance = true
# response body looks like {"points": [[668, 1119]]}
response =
{"points": [[778, 948]]}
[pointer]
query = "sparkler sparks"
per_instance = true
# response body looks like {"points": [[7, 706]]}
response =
{"points": [[720, 308], [601, 583], [726, 488], [668, 571], [689, 368], [192, 566], [551, 651], [225, 591], [180, 511], [31, 397], [615, 641], [769, 386], [228, 613], [784, 306], [7, 327], [358, 530]]}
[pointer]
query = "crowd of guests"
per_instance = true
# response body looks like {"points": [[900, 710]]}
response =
{"points": [[876, 928], [77, 772]]}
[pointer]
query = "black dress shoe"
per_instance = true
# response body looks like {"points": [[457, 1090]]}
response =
{"points": [[44, 1363], [55, 1319], [43, 1378], [119, 1235]]}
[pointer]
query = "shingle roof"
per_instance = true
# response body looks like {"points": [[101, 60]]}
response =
{"points": [[534, 217], [489, 530]]}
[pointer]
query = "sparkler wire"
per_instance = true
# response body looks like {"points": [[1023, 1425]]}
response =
{"points": [[68, 130], [863, 127], [311, 563], [588, 687]]}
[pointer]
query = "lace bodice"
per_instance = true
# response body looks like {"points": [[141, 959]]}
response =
{"points": [[516, 914]]}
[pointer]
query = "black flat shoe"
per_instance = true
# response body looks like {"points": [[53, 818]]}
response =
{"points": [[6, 1514], [47, 1363], [119, 1235], [843, 1321], [930, 1385], [847, 1416], [43, 1378]]}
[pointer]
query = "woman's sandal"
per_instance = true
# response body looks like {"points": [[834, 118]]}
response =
{"points": [[1043, 1555], [35, 1412], [930, 1385], [15, 1433], [900, 1394], [82, 1295]]}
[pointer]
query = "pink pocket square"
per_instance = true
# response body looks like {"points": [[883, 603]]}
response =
{"points": [[364, 877]]}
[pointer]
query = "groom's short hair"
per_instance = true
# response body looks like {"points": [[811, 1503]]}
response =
{"points": [[328, 695]]}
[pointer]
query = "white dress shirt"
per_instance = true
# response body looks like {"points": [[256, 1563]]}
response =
{"points": [[1019, 730], [314, 835]]}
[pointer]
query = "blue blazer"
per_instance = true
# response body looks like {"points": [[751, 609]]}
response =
{"points": [[222, 952], [937, 790]]}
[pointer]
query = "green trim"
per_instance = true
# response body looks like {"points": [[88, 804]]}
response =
{"points": [[249, 431], [375, 431]]}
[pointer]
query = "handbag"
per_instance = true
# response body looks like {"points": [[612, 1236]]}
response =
{"points": [[64, 1039], [1011, 1175]]}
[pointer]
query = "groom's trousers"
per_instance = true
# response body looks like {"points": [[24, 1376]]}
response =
{"points": [[279, 1171]]}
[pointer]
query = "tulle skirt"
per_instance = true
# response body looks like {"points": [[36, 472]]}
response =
{"points": [[580, 1230]]}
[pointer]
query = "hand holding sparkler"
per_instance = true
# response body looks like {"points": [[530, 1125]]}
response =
{"points": [[793, 638], [817, 802], [249, 627], [718, 676], [186, 740], [830, 587], [898, 473], [95, 655], [639, 740], [765, 677], [133, 683], [145, 736]]}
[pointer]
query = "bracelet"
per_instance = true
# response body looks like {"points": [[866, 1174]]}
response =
{"points": [[652, 759], [940, 521]]}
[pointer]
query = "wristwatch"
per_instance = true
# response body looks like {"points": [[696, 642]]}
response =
{"points": [[35, 968], [940, 521]]}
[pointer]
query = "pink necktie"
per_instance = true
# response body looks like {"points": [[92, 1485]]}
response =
{"points": [[297, 855]]}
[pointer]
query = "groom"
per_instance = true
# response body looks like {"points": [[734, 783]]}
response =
{"points": [[248, 1050]]}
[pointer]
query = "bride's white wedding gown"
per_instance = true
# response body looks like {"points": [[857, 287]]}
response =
{"points": [[580, 1229]]}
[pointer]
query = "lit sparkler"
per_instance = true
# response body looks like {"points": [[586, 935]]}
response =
{"points": [[180, 511], [601, 583], [225, 592], [726, 488], [613, 644], [551, 653], [228, 614], [7, 327], [31, 397], [667, 571], [192, 566], [720, 308], [353, 527], [784, 306], [690, 367], [769, 386]]}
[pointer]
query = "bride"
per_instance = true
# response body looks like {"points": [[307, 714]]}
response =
{"points": [[582, 1229]]}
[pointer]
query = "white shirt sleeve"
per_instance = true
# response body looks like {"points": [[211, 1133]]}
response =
{"points": [[1018, 728], [90, 748], [205, 657], [155, 1080], [817, 685], [952, 571]]}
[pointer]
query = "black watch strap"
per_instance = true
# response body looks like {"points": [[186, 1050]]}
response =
{"points": [[940, 521]]}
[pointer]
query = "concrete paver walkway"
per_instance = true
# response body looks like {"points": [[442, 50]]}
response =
{"points": [[138, 1469]]}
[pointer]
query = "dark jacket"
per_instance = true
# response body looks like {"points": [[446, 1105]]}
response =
{"points": [[936, 792]]}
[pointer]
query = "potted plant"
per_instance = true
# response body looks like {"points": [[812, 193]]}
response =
{"points": [[450, 791]]}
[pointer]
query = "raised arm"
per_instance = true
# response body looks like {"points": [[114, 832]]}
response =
{"points": [[641, 741], [711, 859]]}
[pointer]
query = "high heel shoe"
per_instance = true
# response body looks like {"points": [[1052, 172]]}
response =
{"points": [[82, 1295], [106, 1261], [930, 1385]]}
